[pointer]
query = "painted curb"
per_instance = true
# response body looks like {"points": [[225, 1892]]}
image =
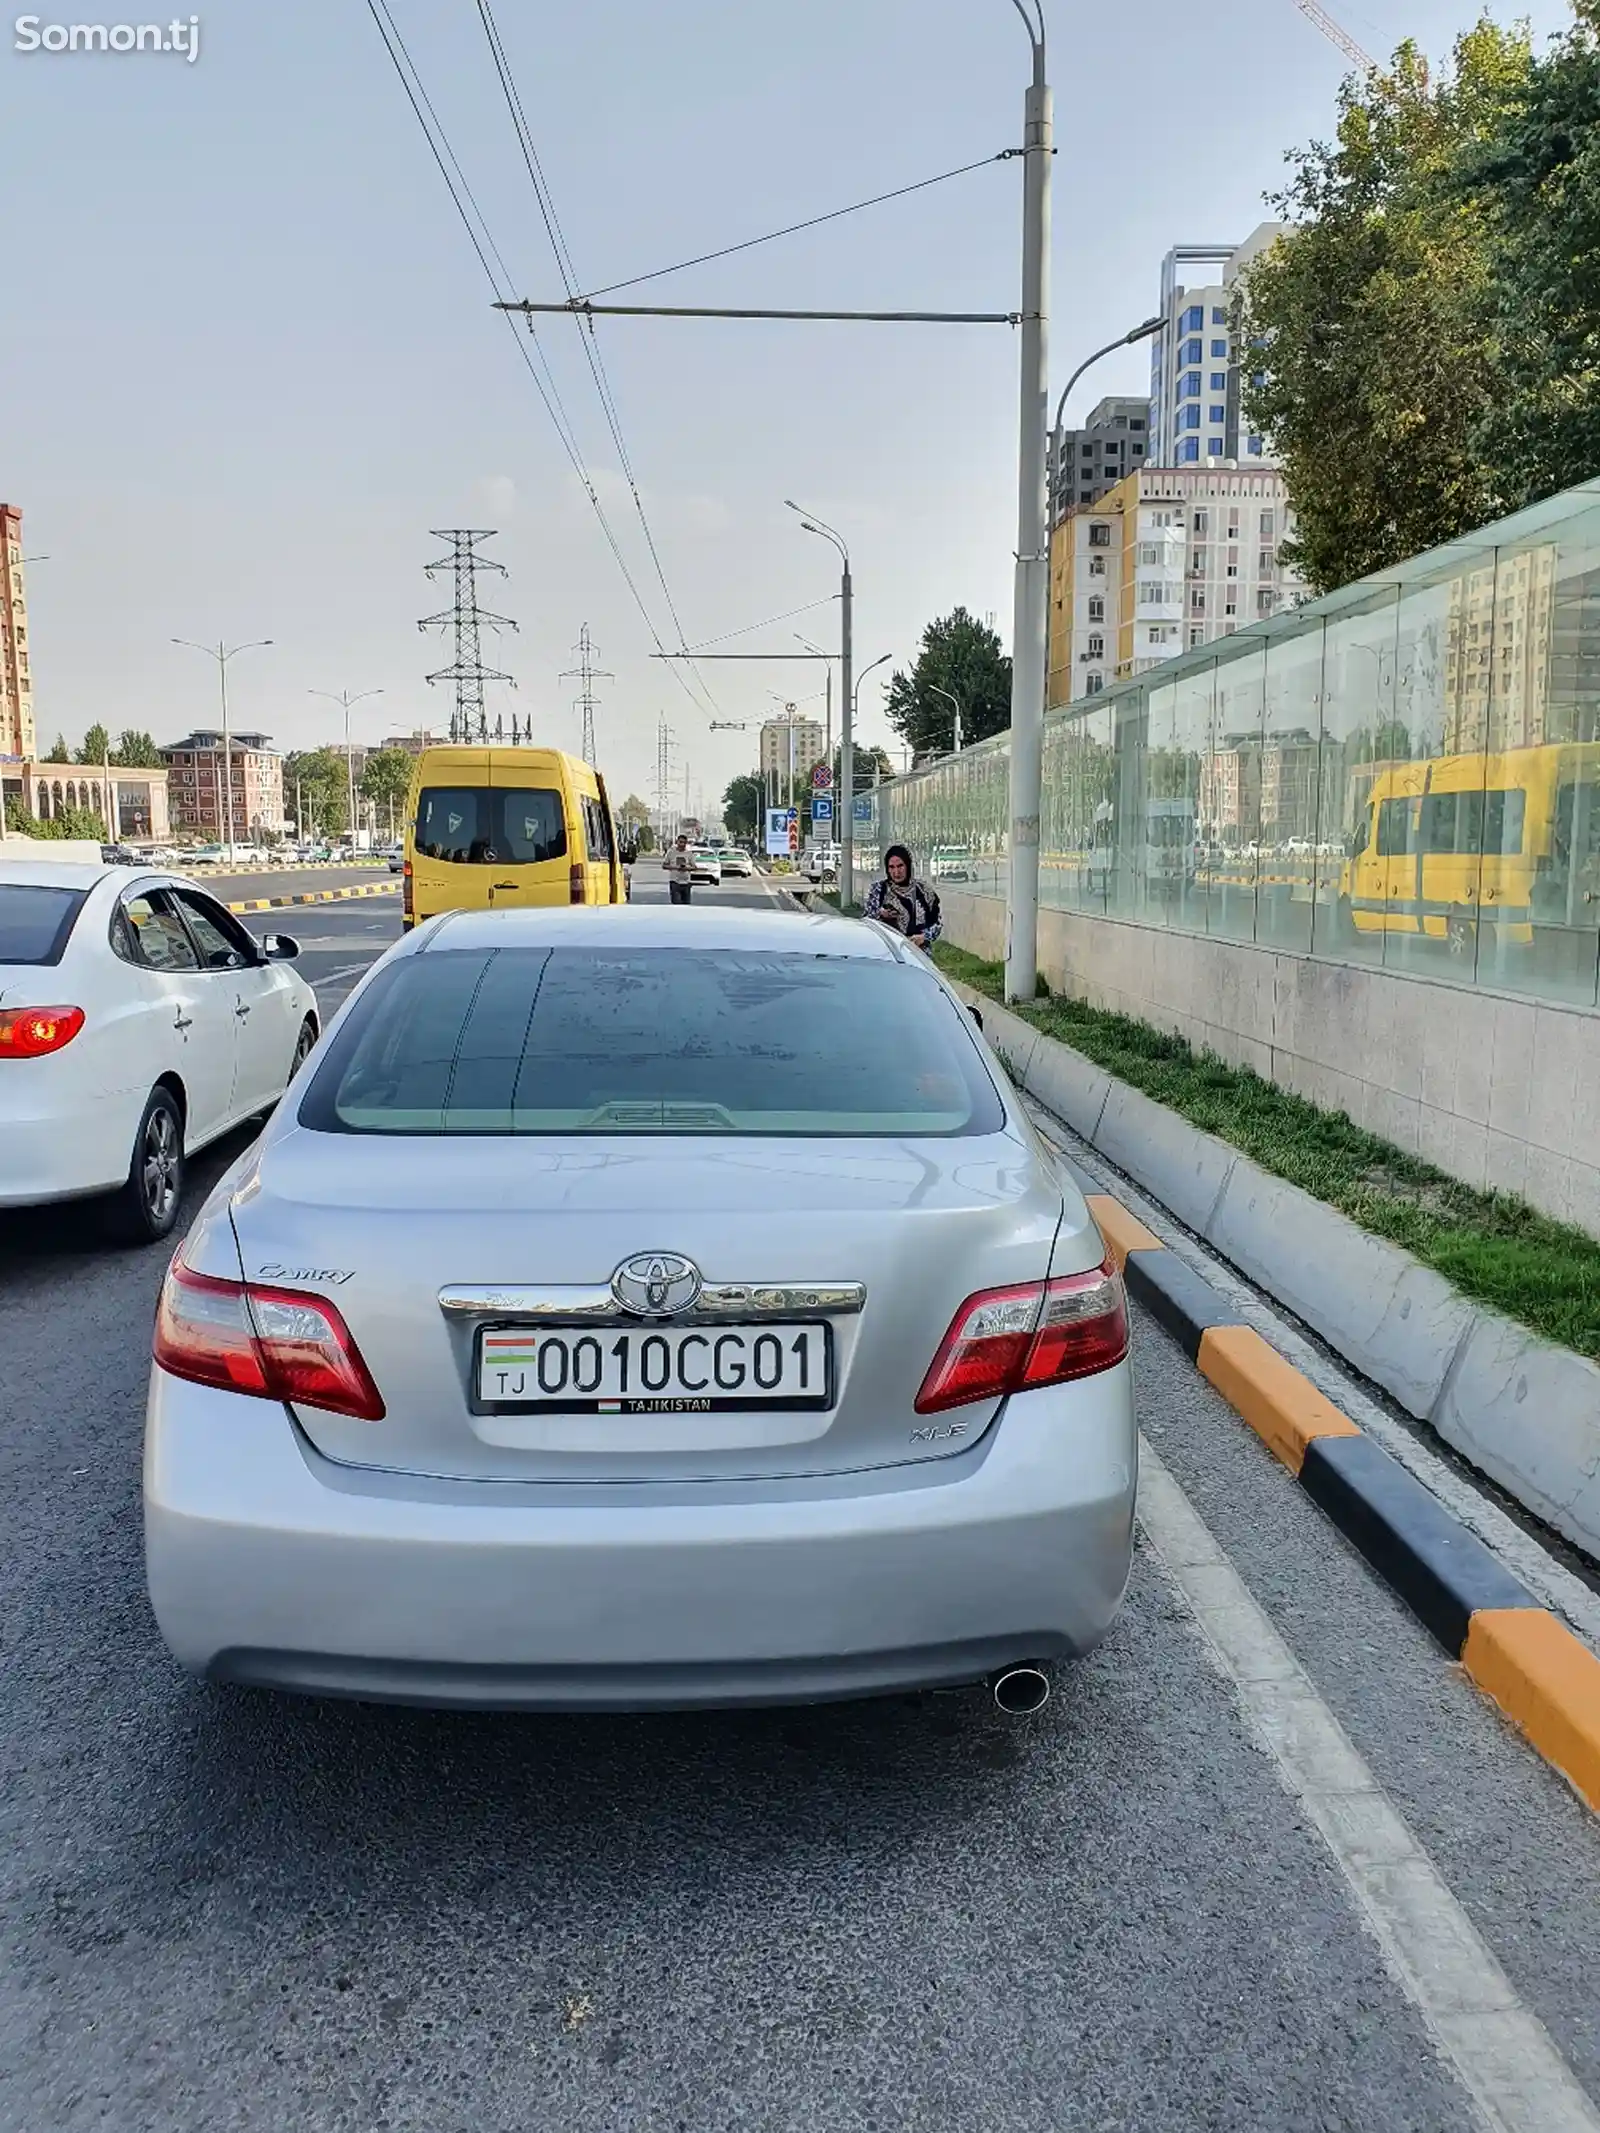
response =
{"points": [[1475, 1377], [317, 896], [1522, 1656]]}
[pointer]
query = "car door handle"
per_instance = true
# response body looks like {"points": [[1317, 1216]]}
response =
{"points": [[241, 1010], [184, 1022], [507, 885]]}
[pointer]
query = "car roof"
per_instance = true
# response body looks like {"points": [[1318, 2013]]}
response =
{"points": [[53, 873], [658, 926]]}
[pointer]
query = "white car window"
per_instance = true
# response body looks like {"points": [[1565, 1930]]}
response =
{"points": [[223, 944], [156, 933]]}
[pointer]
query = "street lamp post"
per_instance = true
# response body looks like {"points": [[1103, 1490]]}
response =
{"points": [[1031, 606], [954, 703], [346, 699], [847, 758], [1123, 340], [222, 653], [827, 676]]}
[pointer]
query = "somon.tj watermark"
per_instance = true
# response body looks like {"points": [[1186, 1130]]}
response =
{"points": [[33, 34]]}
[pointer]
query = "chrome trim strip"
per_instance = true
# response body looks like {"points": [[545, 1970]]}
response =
{"points": [[718, 1300]]}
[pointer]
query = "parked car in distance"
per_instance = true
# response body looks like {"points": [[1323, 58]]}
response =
{"points": [[120, 855], [531, 1322], [203, 855], [138, 1021]]}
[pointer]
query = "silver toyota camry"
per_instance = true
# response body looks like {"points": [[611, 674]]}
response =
{"points": [[629, 1308]]}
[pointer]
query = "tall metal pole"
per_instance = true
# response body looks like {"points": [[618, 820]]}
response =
{"points": [[222, 653], [1031, 611], [847, 740]]}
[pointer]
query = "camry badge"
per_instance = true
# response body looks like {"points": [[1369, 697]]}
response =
{"points": [[656, 1284]]}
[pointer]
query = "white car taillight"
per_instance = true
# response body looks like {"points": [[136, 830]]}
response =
{"points": [[275, 1344], [35, 1032], [1038, 1333]]}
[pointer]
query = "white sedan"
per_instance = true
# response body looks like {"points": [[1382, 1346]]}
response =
{"points": [[138, 1021], [733, 861]]}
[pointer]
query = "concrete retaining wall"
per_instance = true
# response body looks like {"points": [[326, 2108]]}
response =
{"points": [[1525, 1412], [1501, 1092]]}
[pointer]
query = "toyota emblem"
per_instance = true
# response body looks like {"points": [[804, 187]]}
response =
{"points": [[656, 1284]]}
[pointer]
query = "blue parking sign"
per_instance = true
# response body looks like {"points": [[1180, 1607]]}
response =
{"points": [[821, 808]]}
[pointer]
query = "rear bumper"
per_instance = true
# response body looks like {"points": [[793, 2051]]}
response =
{"points": [[268, 1565], [67, 1154]]}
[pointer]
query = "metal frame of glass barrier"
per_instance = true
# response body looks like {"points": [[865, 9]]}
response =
{"points": [[1404, 774]]}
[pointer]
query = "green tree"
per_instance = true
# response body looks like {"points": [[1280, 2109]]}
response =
{"points": [[137, 751], [963, 655], [96, 745], [744, 806], [1368, 314], [72, 822], [386, 781], [323, 780], [59, 751], [1534, 179]]}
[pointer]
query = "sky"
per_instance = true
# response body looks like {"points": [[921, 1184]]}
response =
{"points": [[248, 360]]}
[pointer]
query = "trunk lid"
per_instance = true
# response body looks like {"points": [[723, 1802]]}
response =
{"points": [[382, 1225]]}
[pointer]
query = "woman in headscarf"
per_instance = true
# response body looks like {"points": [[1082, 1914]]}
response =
{"points": [[901, 901]]}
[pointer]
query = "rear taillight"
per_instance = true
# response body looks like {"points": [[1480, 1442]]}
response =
{"points": [[1039, 1333], [276, 1344], [35, 1032], [575, 880], [405, 894]]}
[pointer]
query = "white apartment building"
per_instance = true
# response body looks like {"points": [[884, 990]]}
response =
{"points": [[1167, 560], [1195, 370]]}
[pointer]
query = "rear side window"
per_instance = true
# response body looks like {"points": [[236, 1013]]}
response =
{"points": [[36, 923], [596, 830], [652, 1041], [485, 825]]}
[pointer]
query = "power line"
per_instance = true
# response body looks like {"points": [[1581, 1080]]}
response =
{"points": [[588, 338], [787, 615], [439, 144], [815, 222]]}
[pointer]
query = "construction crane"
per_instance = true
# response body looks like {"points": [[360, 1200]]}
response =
{"points": [[1331, 30]]}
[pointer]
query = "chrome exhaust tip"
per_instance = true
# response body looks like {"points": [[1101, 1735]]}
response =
{"points": [[1021, 1690]]}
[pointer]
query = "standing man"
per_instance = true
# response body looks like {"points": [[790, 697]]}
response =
{"points": [[680, 872], [899, 900]]}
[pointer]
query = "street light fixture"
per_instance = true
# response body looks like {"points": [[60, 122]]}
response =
{"points": [[847, 758], [345, 698], [222, 653], [1123, 340], [934, 690]]}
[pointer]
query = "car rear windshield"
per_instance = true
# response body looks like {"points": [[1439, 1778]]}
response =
{"points": [[489, 825], [654, 1041], [36, 923]]}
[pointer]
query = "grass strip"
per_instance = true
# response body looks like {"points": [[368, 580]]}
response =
{"points": [[1496, 1249]]}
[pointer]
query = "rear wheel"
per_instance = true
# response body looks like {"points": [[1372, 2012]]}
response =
{"points": [[146, 1208], [304, 1045]]}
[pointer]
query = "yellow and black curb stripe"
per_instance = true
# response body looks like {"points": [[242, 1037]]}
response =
{"points": [[1545, 1680], [317, 896]]}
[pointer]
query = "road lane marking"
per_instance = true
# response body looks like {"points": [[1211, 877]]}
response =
{"points": [[1499, 2050]]}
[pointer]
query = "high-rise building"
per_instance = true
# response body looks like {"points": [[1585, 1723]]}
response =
{"points": [[1195, 369], [195, 784], [1172, 557], [16, 680], [810, 745], [1114, 441]]}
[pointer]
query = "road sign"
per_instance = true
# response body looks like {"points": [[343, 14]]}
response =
{"points": [[794, 838], [822, 808], [821, 777], [862, 811], [780, 825]]}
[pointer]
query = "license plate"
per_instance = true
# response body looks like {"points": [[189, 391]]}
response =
{"points": [[635, 1370]]}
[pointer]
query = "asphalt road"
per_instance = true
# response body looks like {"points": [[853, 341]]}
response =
{"points": [[223, 1911], [235, 887]]}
